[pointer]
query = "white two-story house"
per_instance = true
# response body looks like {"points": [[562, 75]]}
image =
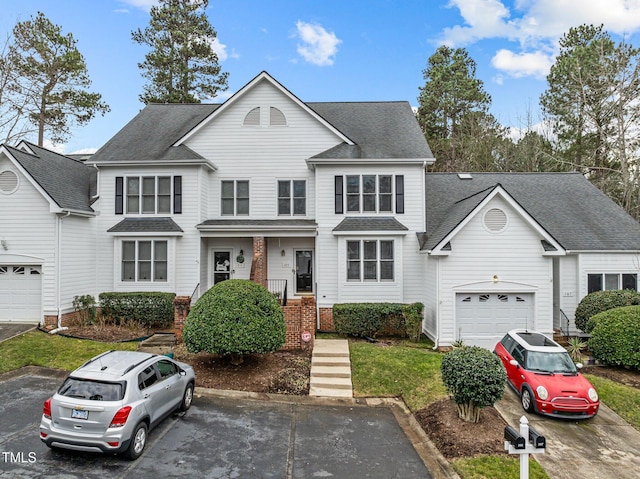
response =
{"points": [[329, 201]]}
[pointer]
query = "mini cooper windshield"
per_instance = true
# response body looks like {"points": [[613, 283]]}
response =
{"points": [[551, 363]]}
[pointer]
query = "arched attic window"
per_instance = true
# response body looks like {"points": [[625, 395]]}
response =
{"points": [[252, 118], [276, 117]]}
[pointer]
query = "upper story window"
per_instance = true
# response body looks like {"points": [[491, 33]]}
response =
{"points": [[611, 281], [234, 197], [369, 194], [292, 197], [148, 195], [254, 117], [144, 261], [370, 260]]}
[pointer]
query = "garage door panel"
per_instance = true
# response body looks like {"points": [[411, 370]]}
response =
{"points": [[482, 319], [20, 293]]}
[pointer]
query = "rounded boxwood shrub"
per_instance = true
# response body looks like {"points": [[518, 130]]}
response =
{"points": [[615, 339], [600, 301], [475, 378], [235, 317]]}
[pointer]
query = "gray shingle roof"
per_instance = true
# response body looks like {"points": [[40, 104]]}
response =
{"points": [[573, 211], [146, 225], [259, 223], [378, 129], [68, 182], [370, 223], [150, 134], [385, 130]]}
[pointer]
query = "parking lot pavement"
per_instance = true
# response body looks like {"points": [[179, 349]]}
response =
{"points": [[219, 437]]}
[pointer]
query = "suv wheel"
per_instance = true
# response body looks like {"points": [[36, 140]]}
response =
{"points": [[527, 399], [138, 442], [187, 397]]}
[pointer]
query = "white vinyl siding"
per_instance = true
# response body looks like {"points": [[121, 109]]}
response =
{"points": [[514, 257]]}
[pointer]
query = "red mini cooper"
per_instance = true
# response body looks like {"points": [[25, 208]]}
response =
{"points": [[545, 377]]}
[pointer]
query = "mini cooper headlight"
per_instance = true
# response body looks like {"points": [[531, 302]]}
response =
{"points": [[542, 393], [593, 395]]}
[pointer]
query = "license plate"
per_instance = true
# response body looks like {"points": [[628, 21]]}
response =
{"points": [[79, 414]]}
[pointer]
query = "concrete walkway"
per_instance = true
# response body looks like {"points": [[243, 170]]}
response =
{"points": [[331, 369]]}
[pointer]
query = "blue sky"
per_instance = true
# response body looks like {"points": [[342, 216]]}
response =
{"points": [[336, 50]]}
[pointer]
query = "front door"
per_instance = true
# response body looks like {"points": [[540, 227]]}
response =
{"points": [[221, 265], [304, 271]]}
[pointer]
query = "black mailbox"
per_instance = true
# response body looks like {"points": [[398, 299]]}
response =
{"points": [[514, 437], [537, 439]]}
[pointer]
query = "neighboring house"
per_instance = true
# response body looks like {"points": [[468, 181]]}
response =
{"points": [[328, 201]]}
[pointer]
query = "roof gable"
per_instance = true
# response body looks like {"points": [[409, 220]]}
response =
{"points": [[262, 77], [66, 183], [577, 215]]}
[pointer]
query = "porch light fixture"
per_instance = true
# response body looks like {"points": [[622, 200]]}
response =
{"points": [[495, 278], [241, 252], [283, 252], [4, 245]]}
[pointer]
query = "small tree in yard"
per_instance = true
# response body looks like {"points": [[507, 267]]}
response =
{"points": [[235, 317], [475, 378]]}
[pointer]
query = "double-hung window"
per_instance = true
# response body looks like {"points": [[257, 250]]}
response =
{"points": [[144, 260], [370, 260], [611, 281], [292, 197], [234, 197], [369, 193], [148, 195]]}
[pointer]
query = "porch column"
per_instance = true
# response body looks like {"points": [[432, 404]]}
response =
{"points": [[259, 263]]}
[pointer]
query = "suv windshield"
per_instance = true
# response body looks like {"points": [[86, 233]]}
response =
{"points": [[92, 390], [550, 362]]}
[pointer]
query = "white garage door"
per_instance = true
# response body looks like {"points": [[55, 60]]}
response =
{"points": [[482, 319], [20, 293]]}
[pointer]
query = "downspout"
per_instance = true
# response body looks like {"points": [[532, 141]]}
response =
{"points": [[97, 195], [58, 275], [437, 338]]}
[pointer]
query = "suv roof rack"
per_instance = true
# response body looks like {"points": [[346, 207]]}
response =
{"points": [[96, 358], [137, 364]]}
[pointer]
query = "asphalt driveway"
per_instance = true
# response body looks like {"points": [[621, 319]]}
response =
{"points": [[219, 437], [602, 447], [10, 330]]}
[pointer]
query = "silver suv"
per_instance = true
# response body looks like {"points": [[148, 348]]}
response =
{"points": [[111, 402]]}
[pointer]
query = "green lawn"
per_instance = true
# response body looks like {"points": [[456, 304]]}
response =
{"points": [[36, 348], [624, 400]]}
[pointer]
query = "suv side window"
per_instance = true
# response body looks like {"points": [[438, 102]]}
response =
{"points": [[166, 368], [147, 377], [518, 354]]}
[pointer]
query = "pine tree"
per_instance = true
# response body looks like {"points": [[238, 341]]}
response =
{"points": [[181, 66]]}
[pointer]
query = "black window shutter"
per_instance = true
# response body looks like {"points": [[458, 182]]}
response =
{"points": [[399, 194], [339, 195], [119, 194], [177, 195]]}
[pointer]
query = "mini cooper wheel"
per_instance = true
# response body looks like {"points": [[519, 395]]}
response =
{"points": [[526, 398], [137, 443], [187, 397]]}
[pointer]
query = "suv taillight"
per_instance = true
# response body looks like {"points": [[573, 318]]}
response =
{"points": [[120, 418], [46, 411]]}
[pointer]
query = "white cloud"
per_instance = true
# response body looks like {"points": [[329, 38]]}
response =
{"points": [[519, 65], [536, 25], [318, 46], [220, 49], [142, 4]]}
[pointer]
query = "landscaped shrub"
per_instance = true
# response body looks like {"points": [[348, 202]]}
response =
{"points": [[475, 379], [149, 309], [615, 339], [371, 319], [600, 301], [235, 317], [85, 306]]}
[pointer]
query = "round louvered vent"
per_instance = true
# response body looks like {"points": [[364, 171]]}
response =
{"points": [[8, 181], [495, 220]]}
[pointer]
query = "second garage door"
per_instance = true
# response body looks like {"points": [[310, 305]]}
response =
{"points": [[482, 319], [20, 293]]}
